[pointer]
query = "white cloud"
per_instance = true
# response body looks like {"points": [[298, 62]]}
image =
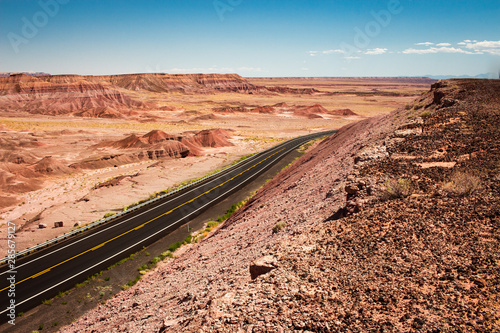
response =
{"points": [[443, 44], [486, 46], [315, 53], [462, 43], [338, 51], [442, 49], [352, 57], [425, 43], [375, 51]]}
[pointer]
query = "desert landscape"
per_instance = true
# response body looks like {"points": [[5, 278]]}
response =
{"points": [[391, 224], [249, 166], [75, 148]]}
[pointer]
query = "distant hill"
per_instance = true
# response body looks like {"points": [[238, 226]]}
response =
{"points": [[6, 74], [479, 76]]}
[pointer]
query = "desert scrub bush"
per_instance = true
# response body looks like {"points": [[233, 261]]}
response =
{"points": [[419, 106], [399, 188], [462, 184], [108, 214], [426, 113], [212, 223], [174, 246], [278, 226]]}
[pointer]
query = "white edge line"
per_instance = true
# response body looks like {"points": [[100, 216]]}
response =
{"points": [[124, 221], [109, 227]]}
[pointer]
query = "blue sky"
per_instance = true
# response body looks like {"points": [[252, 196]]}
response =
{"points": [[251, 37]]}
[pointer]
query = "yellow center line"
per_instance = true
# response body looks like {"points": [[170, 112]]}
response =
{"points": [[142, 225]]}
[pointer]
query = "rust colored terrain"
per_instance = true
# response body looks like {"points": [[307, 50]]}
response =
{"points": [[390, 225]]}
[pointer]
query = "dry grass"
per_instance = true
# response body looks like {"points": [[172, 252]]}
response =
{"points": [[399, 188], [462, 184]]}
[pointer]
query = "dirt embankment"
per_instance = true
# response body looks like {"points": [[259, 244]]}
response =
{"points": [[389, 225]]}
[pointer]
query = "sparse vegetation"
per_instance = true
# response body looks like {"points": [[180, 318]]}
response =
{"points": [[174, 246], [462, 184], [426, 113], [399, 188], [278, 226], [108, 214], [131, 282], [419, 106]]}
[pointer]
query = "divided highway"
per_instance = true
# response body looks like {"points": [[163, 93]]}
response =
{"points": [[43, 274]]}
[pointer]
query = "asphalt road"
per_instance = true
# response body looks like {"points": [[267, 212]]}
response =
{"points": [[43, 274]]}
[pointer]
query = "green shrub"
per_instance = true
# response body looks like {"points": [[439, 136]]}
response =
{"points": [[188, 239], [174, 246]]}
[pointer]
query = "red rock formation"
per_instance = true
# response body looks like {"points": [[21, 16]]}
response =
{"points": [[208, 138], [342, 112], [64, 94], [264, 109], [156, 136], [210, 116], [96, 96], [51, 166], [230, 109]]}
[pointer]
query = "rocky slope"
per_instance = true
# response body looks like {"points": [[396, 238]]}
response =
{"points": [[389, 225]]}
